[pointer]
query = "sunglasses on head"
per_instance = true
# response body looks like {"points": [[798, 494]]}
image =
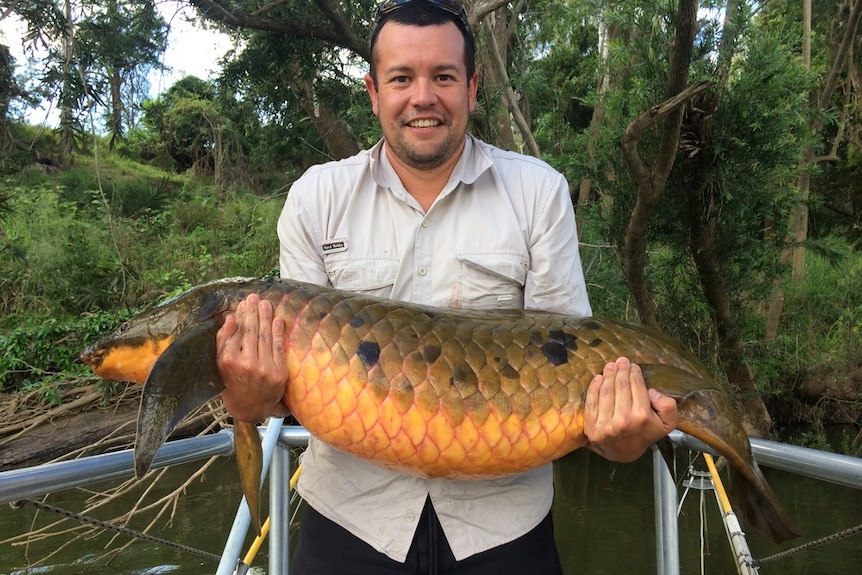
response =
{"points": [[450, 6]]}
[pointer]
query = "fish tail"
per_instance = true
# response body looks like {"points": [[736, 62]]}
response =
{"points": [[755, 501]]}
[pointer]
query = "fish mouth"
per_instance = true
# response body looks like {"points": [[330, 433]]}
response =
{"points": [[92, 356]]}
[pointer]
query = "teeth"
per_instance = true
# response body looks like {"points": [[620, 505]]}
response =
{"points": [[424, 123]]}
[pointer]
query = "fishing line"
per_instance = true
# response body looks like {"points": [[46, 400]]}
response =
{"points": [[116, 528]]}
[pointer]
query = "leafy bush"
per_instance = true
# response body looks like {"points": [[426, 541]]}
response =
{"points": [[41, 350], [821, 329]]}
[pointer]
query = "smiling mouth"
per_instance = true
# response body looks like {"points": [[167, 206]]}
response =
{"points": [[424, 123]]}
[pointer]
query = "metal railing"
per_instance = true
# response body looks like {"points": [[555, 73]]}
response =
{"points": [[43, 479]]}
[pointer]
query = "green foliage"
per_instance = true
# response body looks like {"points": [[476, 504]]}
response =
{"points": [[70, 251], [820, 339], [40, 351]]}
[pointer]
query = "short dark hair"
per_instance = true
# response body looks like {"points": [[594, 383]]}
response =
{"points": [[421, 13]]}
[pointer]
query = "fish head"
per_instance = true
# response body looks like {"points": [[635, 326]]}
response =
{"points": [[131, 351]]}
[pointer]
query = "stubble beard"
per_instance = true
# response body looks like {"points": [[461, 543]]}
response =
{"points": [[425, 157]]}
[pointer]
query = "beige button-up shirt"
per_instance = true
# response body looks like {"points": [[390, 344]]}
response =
{"points": [[501, 234]]}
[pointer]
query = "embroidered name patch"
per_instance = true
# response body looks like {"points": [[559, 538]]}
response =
{"points": [[335, 246]]}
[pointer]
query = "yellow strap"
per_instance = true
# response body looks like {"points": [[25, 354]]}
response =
{"points": [[264, 530], [719, 486]]}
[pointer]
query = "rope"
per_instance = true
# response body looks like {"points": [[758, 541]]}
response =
{"points": [[812, 544], [122, 530]]}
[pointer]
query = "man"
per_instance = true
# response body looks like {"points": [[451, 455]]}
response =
{"points": [[430, 215]]}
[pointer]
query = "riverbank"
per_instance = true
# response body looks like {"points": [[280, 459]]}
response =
{"points": [[82, 420]]}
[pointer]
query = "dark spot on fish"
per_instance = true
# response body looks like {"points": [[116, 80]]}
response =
{"points": [[509, 372], [555, 352], [591, 325], [405, 386], [596, 342], [559, 336], [357, 321], [537, 338], [464, 376], [430, 353], [369, 353], [566, 339]]}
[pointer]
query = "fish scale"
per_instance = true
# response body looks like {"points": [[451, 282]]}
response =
{"points": [[477, 394], [433, 392]]}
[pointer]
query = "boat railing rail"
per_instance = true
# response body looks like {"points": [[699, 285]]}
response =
{"points": [[40, 480]]}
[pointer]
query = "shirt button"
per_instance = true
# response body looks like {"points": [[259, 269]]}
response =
{"points": [[422, 272], [425, 223], [410, 518]]}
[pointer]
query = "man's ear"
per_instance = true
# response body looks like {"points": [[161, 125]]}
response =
{"points": [[371, 88], [473, 90]]}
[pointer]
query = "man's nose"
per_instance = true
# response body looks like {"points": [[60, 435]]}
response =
{"points": [[424, 92]]}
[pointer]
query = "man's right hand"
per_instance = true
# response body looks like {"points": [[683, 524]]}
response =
{"points": [[251, 359]]}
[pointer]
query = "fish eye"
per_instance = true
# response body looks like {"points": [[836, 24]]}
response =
{"points": [[124, 327]]}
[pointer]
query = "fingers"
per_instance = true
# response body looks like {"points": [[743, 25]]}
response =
{"points": [[665, 408], [616, 393], [249, 331], [621, 416], [248, 317], [251, 360], [278, 330]]}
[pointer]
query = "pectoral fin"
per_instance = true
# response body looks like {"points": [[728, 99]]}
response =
{"points": [[184, 377], [249, 459]]}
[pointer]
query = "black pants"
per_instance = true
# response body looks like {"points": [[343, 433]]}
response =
{"points": [[325, 548]]}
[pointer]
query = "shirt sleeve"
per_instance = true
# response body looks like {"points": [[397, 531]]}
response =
{"points": [[300, 256], [555, 278]]}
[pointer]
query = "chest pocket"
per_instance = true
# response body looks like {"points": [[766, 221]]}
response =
{"points": [[366, 276], [492, 281]]}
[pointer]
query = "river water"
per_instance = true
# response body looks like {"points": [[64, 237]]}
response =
{"points": [[604, 521]]}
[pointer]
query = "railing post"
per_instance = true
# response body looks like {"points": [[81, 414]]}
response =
{"points": [[666, 525], [242, 519], [279, 511]]}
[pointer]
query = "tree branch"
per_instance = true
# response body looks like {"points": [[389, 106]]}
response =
{"points": [[477, 12], [841, 56], [647, 120], [331, 27], [515, 109]]}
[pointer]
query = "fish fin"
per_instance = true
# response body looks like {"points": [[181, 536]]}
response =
{"points": [[707, 413], [184, 377], [665, 447], [759, 506], [249, 460]]}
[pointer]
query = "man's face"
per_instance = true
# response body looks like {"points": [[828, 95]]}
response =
{"points": [[423, 96]]}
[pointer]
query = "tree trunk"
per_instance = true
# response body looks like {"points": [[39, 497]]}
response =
{"points": [[492, 62], [334, 131], [650, 176], [116, 84], [598, 118], [510, 104], [701, 204], [67, 134]]}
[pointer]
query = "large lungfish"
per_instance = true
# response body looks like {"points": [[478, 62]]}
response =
{"points": [[428, 391]]}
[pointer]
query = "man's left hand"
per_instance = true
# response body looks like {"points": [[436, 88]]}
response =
{"points": [[622, 418]]}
